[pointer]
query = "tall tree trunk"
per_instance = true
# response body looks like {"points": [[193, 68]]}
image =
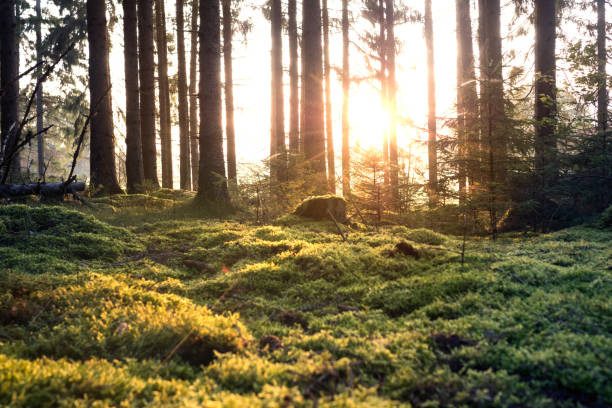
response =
{"points": [[229, 91], [314, 127], [39, 94], [212, 183], [9, 83], [294, 108], [602, 92], [346, 83], [193, 97], [183, 106], [384, 91], [102, 139], [431, 116], [331, 162], [133, 158], [545, 91], [147, 91], [467, 100], [277, 134], [392, 103], [165, 129]]}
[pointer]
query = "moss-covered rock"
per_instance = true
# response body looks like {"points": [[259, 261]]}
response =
{"points": [[319, 207]]}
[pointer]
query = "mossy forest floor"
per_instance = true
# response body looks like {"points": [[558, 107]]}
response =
{"points": [[143, 301]]}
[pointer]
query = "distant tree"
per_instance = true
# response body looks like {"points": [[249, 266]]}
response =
{"points": [[431, 116], [392, 104], [346, 84], [545, 91], [313, 130], [212, 183], [294, 108], [147, 91], [229, 90], [193, 97], [602, 59], [277, 134], [165, 128], [102, 139], [39, 94], [384, 83], [9, 83], [183, 107], [133, 154], [329, 137]]}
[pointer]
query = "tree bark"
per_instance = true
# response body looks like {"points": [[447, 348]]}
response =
{"points": [[43, 189], [102, 138], [346, 83], [193, 97], [165, 129], [545, 91], [147, 91], [9, 83], [277, 134], [384, 91], [329, 136], [294, 108], [183, 106], [232, 174], [212, 183], [467, 100], [392, 103], [432, 148], [39, 95], [133, 158], [602, 59]]}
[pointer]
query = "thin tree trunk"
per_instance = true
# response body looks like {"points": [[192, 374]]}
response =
{"points": [[294, 108], [331, 165], [277, 134], [314, 127], [39, 95], [392, 103], [212, 182], [102, 139], [431, 117], [165, 130], [147, 91], [193, 97], [229, 91], [602, 92], [545, 91], [346, 83], [384, 91], [183, 105], [467, 100], [133, 158], [9, 83]]}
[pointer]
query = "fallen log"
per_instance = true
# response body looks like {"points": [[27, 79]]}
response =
{"points": [[9, 191]]}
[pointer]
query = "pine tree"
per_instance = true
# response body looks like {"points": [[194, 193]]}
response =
{"points": [[39, 94], [277, 134], [346, 83], [329, 137], [431, 116], [193, 97], [294, 108], [392, 103], [165, 129], [229, 91], [183, 107]]}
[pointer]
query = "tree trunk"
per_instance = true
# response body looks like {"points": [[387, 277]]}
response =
{"points": [[229, 91], [212, 183], [602, 92], [42, 189], [294, 108], [545, 91], [467, 100], [193, 97], [314, 128], [277, 134], [431, 117], [9, 83], [183, 106], [102, 139], [331, 162], [165, 129], [39, 95], [133, 158], [384, 92], [392, 103], [346, 83], [147, 91]]}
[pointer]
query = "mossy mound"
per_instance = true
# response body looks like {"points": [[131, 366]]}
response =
{"points": [[319, 208]]}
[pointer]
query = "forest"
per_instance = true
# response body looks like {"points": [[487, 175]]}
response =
{"points": [[315, 203]]}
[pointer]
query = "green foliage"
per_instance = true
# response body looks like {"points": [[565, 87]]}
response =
{"points": [[605, 219]]}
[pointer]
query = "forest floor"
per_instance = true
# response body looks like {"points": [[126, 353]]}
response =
{"points": [[142, 301]]}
